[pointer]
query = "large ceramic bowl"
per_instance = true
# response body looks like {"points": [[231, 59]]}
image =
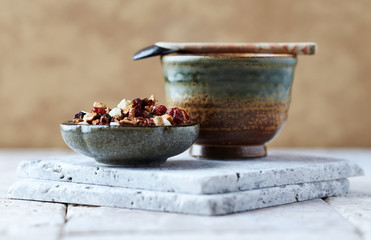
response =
{"points": [[129, 145], [240, 100]]}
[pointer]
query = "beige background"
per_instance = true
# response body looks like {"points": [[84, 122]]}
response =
{"points": [[57, 57]]}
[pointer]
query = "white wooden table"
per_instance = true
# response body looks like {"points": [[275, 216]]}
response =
{"points": [[347, 217]]}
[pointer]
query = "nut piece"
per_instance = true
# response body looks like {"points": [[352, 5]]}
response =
{"points": [[78, 120], [152, 100], [100, 105], [164, 120], [128, 121], [158, 121], [149, 108], [131, 113], [89, 117], [96, 122], [117, 119], [168, 120]]}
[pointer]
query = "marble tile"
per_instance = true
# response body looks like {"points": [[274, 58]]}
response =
{"points": [[30, 220], [189, 175], [356, 209], [208, 204], [305, 220], [217, 236], [10, 158]]}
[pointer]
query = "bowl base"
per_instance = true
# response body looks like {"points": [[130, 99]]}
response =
{"points": [[133, 163], [228, 152]]}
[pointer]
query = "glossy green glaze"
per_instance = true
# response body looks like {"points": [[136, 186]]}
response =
{"points": [[129, 145], [239, 100]]}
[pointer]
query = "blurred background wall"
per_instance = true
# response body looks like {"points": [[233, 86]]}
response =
{"points": [[57, 57]]}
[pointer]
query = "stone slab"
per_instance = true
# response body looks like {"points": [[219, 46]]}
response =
{"points": [[356, 209], [210, 204], [30, 220], [184, 174], [10, 158], [216, 236], [305, 220]]}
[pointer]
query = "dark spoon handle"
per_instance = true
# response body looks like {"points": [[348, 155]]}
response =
{"points": [[152, 51]]}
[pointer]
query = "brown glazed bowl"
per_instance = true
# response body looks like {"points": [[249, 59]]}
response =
{"points": [[241, 101]]}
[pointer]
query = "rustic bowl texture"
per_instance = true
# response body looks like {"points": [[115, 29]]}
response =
{"points": [[240, 100], [129, 145]]}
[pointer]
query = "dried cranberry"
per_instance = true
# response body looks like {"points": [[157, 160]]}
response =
{"points": [[144, 102], [79, 115], [159, 110], [177, 115], [137, 103], [99, 110], [185, 114], [171, 111], [138, 112]]}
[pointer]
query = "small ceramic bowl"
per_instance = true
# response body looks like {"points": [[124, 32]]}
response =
{"points": [[129, 145]]}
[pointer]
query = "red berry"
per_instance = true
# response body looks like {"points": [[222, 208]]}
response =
{"points": [[137, 102], [185, 114], [139, 106], [171, 111], [144, 102], [138, 112], [159, 110], [177, 115], [99, 110]]}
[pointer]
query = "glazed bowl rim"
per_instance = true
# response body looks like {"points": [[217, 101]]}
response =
{"points": [[71, 123], [229, 55]]}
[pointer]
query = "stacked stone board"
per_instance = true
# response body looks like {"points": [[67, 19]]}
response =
{"points": [[185, 184]]}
